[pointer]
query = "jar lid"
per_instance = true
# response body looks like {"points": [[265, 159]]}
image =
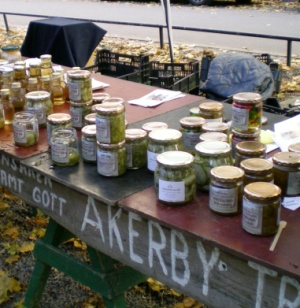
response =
{"points": [[213, 136], [55, 75], [227, 173], [46, 57], [6, 70], [16, 85], [287, 159], [37, 95], [5, 91], [247, 97], [245, 136], [3, 62], [113, 100], [256, 165], [175, 158], [213, 147], [215, 127], [59, 118], [89, 130], [192, 121], [64, 132], [262, 190], [81, 104], [24, 116], [135, 134], [148, 127], [36, 63], [78, 74], [45, 78], [109, 108], [91, 118], [111, 146], [99, 97], [19, 67], [211, 106], [11, 47], [294, 147], [165, 134], [32, 80], [251, 147], [195, 110]]}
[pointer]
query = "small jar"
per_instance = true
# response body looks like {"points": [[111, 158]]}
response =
{"points": [[89, 143], [35, 69], [246, 112], [226, 190], [78, 112], [26, 129], [46, 84], [249, 149], [7, 74], [110, 123], [191, 129], [213, 136], [211, 111], [90, 118], [39, 103], [195, 112], [46, 65], [56, 120], [111, 159], [240, 137], [221, 127], [257, 170], [80, 86], [17, 96], [210, 154], [20, 76], [287, 172], [136, 148], [294, 148], [8, 108], [11, 53], [162, 140], [175, 178], [32, 85], [64, 146], [150, 126], [114, 100], [98, 98], [261, 208]]}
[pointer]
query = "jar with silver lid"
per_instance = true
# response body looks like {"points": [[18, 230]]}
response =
{"points": [[26, 129], [150, 126], [111, 159], [294, 148], [64, 146], [98, 98], [175, 178], [211, 111], [249, 149], [90, 118], [261, 208], [56, 120], [78, 112], [226, 190], [287, 173], [136, 148], [89, 143], [210, 154], [162, 140], [80, 86], [213, 136]]}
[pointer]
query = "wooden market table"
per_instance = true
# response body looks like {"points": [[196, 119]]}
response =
{"points": [[203, 255]]}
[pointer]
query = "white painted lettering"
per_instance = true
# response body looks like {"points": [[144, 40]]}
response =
{"points": [[114, 229], [132, 234], [11, 182], [14, 165], [5, 160], [284, 302]]}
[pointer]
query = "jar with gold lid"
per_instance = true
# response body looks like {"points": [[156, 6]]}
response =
{"points": [[287, 172], [257, 170], [175, 178], [240, 137], [191, 129], [80, 86], [56, 120], [211, 111], [294, 148], [11, 53], [213, 136], [249, 149], [150, 126], [226, 190], [221, 127], [114, 100], [90, 118], [99, 97], [89, 143], [261, 208]]}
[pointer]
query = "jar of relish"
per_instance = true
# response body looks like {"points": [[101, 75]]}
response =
{"points": [[56, 120], [249, 149], [89, 143], [211, 111]]}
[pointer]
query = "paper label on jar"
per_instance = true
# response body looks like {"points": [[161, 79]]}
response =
{"points": [[74, 91], [223, 200], [89, 150], [103, 130], [107, 163], [128, 155], [240, 118], [40, 114], [189, 140], [293, 186], [76, 114], [60, 152], [20, 133], [252, 217], [151, 160], [171, 191]]}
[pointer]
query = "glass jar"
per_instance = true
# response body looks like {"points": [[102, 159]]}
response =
{"points": [[261, 208], [257, 170], [110, 123], [26, 129], [46, 84], [111, 159], [210, 154], [175, 178], [191, 129], [226, 190], [56, 120], [136, 148], [287, 172], [20, 76], [213, 136], [246, 112], [57, 91], [89, 143], [39, 103], [8, 108], [90, 118], [294, 148], [7, 74], [249, 149], [162, 140], [32, 85], [1, 116], [64, 146], [80, 86], [98, 98], [78, 112], [46, 65], [63, 83], [221, 127], [150, 126], [240, 137], [211, 111], [17, 96], [35, 69], [11, 53], [195, 112]]}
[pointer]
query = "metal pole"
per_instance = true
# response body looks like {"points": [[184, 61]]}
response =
{"points": [[289, 53], [161, 37], [5, 21]]}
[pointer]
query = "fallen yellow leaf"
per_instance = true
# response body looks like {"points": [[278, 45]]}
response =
{"points": [[26, 247]]}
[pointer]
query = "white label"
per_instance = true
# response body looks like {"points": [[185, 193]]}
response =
{"points": [[76, 114], [190, 139], [60, 153], [103, 130], [128, 155], [293, 186], [107, 163], [74, 91], [223, 200], [89, 150], [171, 191], [151, 160], [20, 133], [240, 118], [252, 217]]}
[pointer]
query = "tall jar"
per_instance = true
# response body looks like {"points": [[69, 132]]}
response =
{"points": [[57, 91], [39, 103], [136, 148], [287, 172], [46, 65], [20, 76], [111, 159], [257, 170], [64, 146], [8, 108], [210, 154], [240, 137], [56, 120], [226, 190], [191, 129], [246, 112], [249, 149], [7, 74], [162, 140], [26, 129], [11, 53], [261, 208], [35, 69], [78, 112], [89, 143], [175, 178], [110, 123], [17, 96], [211, 111], [80, 86]]}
